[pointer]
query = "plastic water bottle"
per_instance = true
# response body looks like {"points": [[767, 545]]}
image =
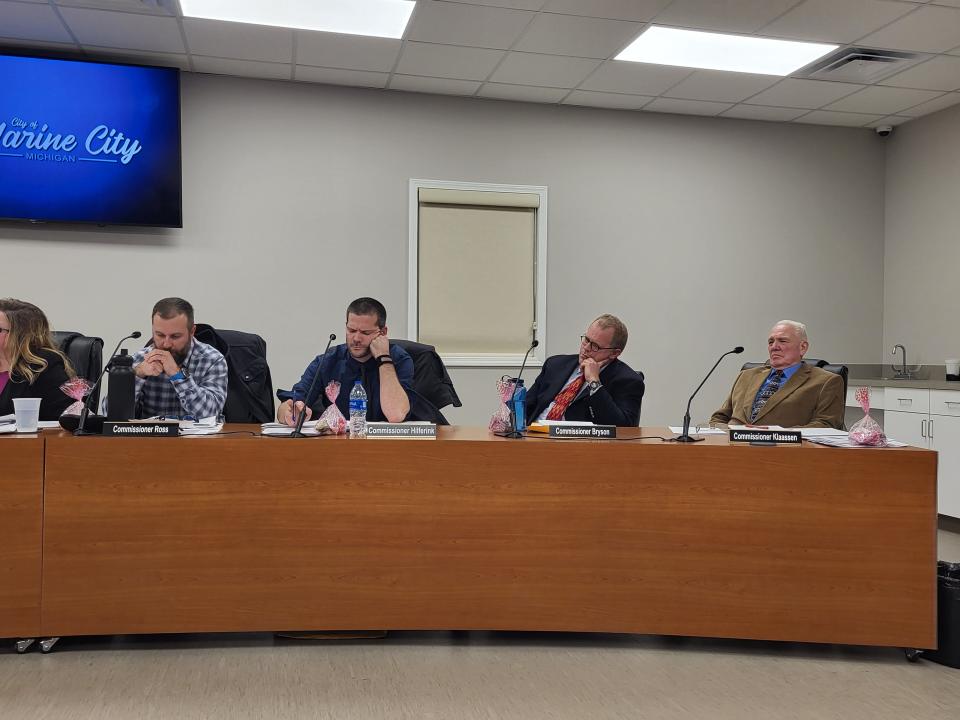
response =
{"points": [[520, 406], [358, 411]]}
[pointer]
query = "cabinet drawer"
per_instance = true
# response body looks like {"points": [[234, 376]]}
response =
{"points": [[945, 402], [907, 399], [876, 397]]}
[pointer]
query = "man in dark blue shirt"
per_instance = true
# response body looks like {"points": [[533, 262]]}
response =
{"points": [[385, 370]]}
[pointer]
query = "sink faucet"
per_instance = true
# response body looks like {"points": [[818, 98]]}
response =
{"points": [[901, 373]]}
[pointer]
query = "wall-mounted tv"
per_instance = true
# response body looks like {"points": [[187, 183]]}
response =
{"points": [[89, 142]]}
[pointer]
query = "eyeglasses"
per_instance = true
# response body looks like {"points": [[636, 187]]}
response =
{"points": [[592, 346]]}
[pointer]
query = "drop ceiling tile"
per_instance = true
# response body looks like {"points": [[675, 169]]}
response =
{"points": [[951, 3], [139, 57], [433, 85], [761, 112], [242, 68], [241, 41], [513, 4], [124, 30], [731, 15], [632, 77], [720, 86], [447, 61], [521, 93], [798, 93], [928, 29], [577, 36], [543, 70], [32, 22], [472, 25], [882, 100], [134, 6], [944, 101], [942, 72], [36, 45], [637, 10], [892, 120], [352, 52], [606, 100], [687, 107], [826, 117], [837, 21], [336, 76]]}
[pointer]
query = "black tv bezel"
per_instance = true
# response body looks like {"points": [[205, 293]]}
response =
{"points": [[68, 57]]}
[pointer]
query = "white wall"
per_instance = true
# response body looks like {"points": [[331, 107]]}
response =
{"points": [[698, 232], [922, 251]]}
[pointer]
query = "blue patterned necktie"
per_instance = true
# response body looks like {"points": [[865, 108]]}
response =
{"points": [[768, 390]]}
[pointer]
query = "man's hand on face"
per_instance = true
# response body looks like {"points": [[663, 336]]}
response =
{"points": [[380, 345], [167, 364], [591, 370]]}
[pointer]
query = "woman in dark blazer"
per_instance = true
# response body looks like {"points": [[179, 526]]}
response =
{"points": [[31, 366]]}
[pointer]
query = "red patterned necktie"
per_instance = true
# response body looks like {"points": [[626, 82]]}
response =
{"points": [[563, 399]]}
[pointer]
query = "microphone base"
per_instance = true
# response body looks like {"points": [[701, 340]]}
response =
{"points": [[512, 434], [296, 434], [685, 439]]}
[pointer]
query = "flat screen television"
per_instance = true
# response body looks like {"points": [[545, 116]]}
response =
{"points": [[89, 142]]}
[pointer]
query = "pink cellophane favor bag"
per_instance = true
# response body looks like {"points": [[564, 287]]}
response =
{"points": [[866, 431], [500, 422], [332, 421], [76, 388]]}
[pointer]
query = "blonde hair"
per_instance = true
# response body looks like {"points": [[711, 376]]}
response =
{"points": [[29, 334], [619, 329]]}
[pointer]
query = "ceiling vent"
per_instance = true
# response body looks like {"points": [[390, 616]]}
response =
{"points": [[860, 65]]}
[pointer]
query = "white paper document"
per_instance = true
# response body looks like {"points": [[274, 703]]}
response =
{"points": [[281, 429], [697, 430], [204, 426], [843, 441]]}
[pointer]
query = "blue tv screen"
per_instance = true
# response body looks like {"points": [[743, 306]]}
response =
{"points": [[89, 142]]}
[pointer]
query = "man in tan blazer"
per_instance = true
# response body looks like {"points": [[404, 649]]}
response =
{"points": [[785, 391]]}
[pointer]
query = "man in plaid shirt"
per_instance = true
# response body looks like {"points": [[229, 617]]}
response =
{"points": [[177, 375]]}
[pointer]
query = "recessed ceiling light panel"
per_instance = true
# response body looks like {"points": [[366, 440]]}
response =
{"points": [[376, 18], [715, 51]]}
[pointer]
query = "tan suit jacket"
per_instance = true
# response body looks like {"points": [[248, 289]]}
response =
{"points": [[812, 397]]}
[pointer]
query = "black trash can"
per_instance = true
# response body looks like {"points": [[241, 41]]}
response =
{"points": [[948, 616]]}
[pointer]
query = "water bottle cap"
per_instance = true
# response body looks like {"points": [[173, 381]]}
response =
{"points": [[357, 382]]}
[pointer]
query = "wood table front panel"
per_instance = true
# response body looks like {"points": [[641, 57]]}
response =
{"points": [[468, 532], [21, 507]]}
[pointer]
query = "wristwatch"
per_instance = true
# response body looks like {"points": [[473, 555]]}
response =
{"points": [[181, 374], [384, 359], [594, 386]]}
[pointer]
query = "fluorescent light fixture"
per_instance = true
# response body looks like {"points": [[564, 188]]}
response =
{"points": [[376, 18], [714, 51]]}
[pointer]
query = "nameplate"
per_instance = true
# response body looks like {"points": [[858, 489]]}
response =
{"points": [[141, 429], [604, 432], [766, 436], [401, 430]]}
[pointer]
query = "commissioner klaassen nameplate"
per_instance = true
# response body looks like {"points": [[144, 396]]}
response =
{"points": [[414, 430], [604, 432], [141, 429], [766, 436]]}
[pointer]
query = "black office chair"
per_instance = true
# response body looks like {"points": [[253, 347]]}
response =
{"points": [[249, 383], [433, 389], [85, 354]]}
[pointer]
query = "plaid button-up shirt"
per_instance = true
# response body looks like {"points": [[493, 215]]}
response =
{"points": [[201, 395]]}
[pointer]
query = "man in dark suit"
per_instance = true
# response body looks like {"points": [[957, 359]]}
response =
{"points": [[785, 391], [592, 386]]}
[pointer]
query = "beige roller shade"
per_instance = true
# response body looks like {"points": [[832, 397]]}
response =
{"points": [[447, 196], [476, 277]]}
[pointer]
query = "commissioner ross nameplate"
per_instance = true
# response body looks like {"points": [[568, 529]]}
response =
{"points": [[141, 429]]}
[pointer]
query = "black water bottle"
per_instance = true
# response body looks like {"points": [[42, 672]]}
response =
{"points": [[121, 388]]}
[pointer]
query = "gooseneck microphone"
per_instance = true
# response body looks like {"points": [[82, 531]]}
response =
{"points": [[514, 430], [685, 435], [82, 426], [302, 417]]}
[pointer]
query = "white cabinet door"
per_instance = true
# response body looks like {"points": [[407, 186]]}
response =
{"points": [[946, 441], [910, 428]]}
